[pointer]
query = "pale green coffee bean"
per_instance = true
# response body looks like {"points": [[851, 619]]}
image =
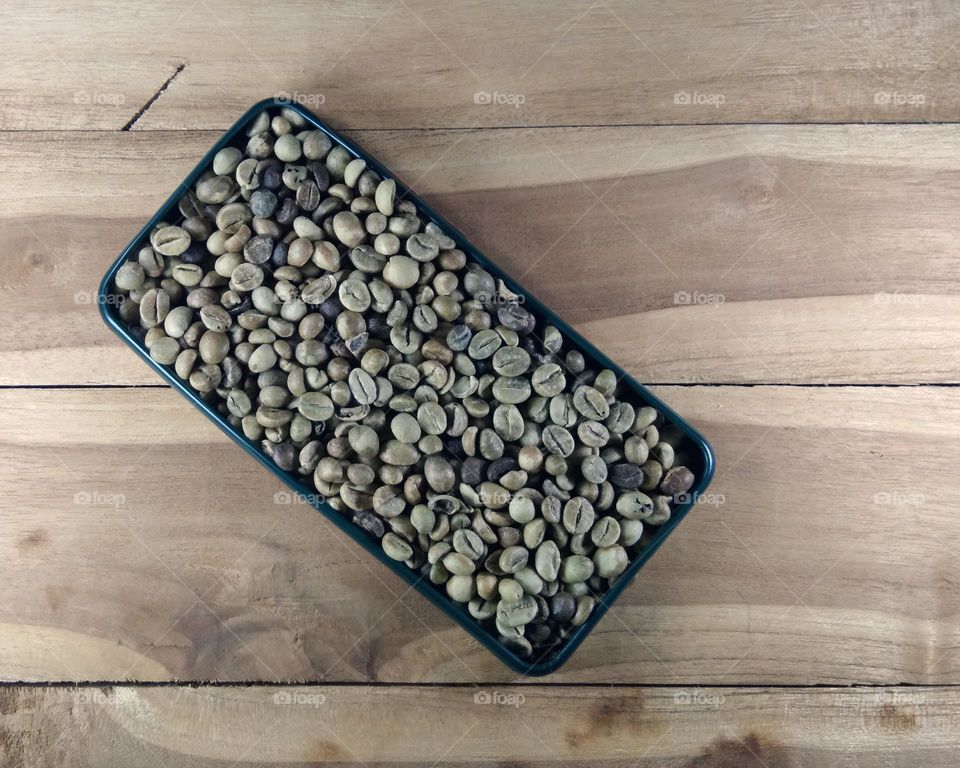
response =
{"points": [[177, 321], [635, 505], [401, 272], [461, 588], [593, 469], [129, 276], [458, 564], [575, 569], [362, 386], [547, 560], [610, 561], [578, 515], [522, 509], [533, 533], [548, 380], [512, 559], [384, 196], [165, 350], [263, 359], [510, 590], [591, 403], [170, 240], [635, 450], [468, 543], [316, 406], [395, 547], [631, 532], [585, 604], [518, 613], [214, 347], [605, 532]]}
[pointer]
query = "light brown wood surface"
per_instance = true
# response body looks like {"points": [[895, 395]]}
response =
{"points": [[414, 63], [830, 265], [138, 543], [751, 205], [479, 725]]}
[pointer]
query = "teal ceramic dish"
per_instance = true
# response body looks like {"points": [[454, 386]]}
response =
{"points": [[696, 452]]}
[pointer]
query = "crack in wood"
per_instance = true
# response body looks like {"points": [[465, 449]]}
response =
{"points": [[142, 111]]}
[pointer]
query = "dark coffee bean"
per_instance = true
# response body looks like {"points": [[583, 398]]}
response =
{"points": [[138, 332], [453, 446], [677, 480], [499, 468], [272, 178], [321, 177], [377, 326], [279, 256], [537, 634], [196, 253], [284, 455], [263, 203], [242, 307], [483, 366], [287, 212], [370, 522], [308, 196], [625, 476], [515, 317], [562, 607], [331, 308], [473, 470]]}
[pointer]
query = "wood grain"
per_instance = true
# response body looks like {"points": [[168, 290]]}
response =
{"points": [[137, 543], [521, 725], [415, 63], [790, 254]]}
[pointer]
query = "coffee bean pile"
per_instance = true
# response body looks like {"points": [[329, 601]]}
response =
{"points": [[366, 353]]}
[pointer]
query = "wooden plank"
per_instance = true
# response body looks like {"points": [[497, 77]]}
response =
{"points": [[751, 254], [137, 543], [416, 63], [520, 725]]}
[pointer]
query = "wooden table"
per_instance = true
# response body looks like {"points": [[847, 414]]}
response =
{"points": [[752, 206]]}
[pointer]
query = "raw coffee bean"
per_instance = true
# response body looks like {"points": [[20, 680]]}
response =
{"points": [[348, 229], [578, 515], [677, 481], [625, 476], [170, 241], [605, 532], [610, 561], [576, 569], [395, 547], [635, 505]]}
